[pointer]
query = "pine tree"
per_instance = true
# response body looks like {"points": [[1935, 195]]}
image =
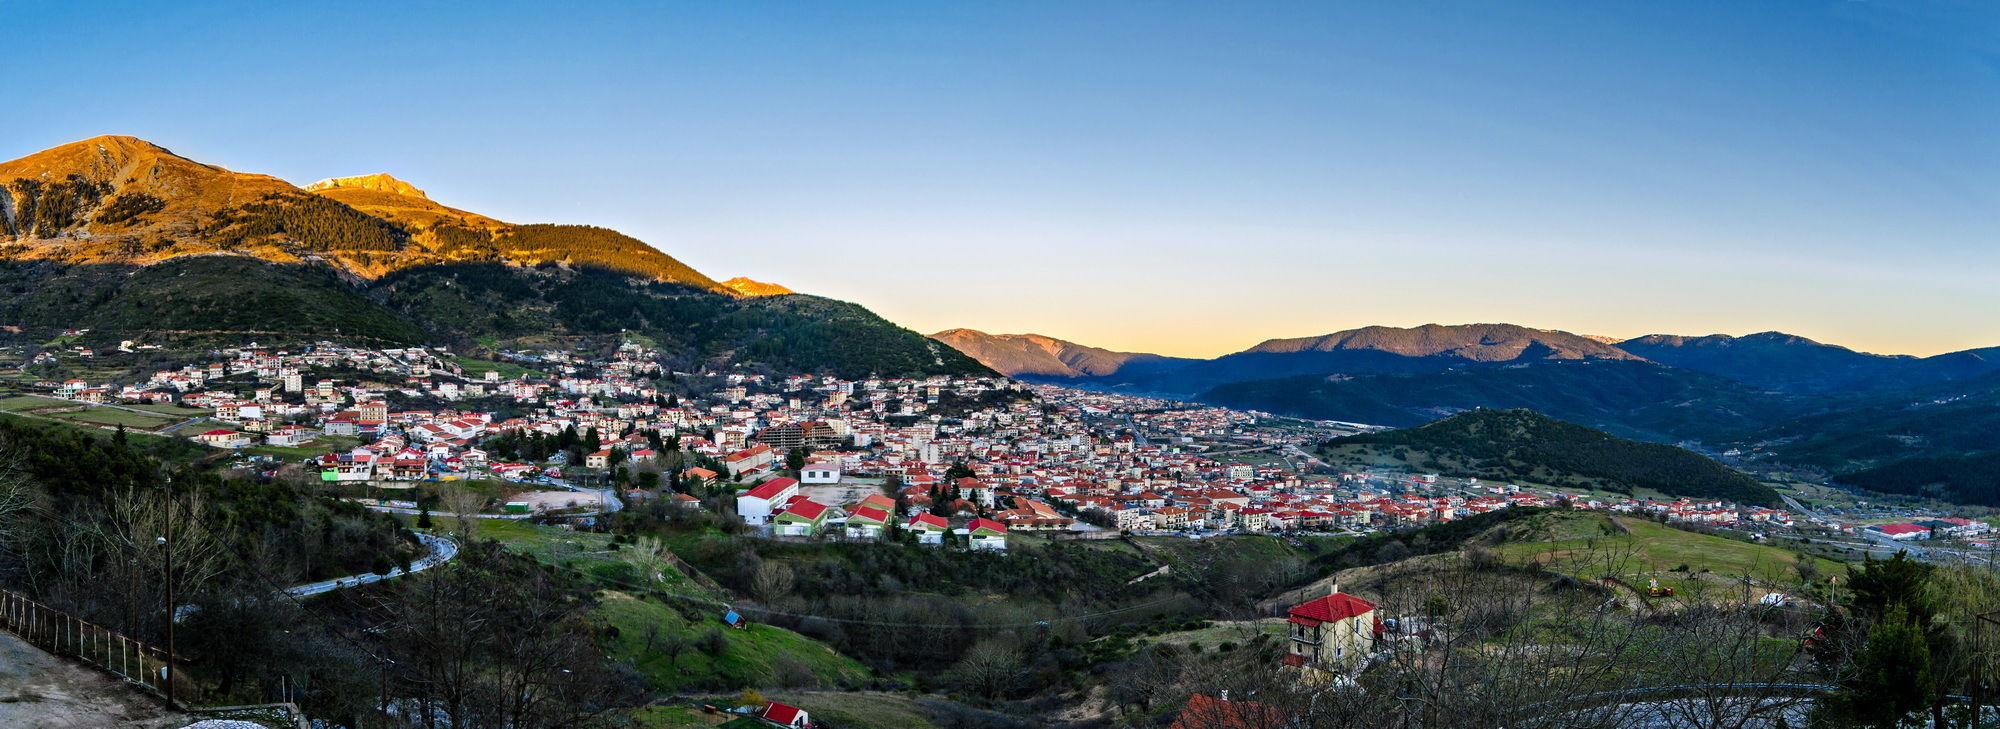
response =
{"points": [[1891, 676]]}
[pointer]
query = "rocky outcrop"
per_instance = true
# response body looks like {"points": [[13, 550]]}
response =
{"points": [[379, 182]]}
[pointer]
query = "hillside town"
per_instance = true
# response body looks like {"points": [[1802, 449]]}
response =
{"points": [[972, 459]]}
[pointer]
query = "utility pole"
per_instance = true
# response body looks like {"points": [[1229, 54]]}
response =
{"points": [[166, 542]]}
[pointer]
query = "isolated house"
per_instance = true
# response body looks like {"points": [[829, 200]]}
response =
{"points": [[785, 715], [1331, 633]]}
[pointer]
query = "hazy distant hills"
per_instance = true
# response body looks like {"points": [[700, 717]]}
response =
{"points": [[124, 236], [1030, 355], [1791, 363]]}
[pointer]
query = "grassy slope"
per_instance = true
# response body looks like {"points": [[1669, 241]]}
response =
{"points": [[747, 662], [750, 654], [1581, 543]]}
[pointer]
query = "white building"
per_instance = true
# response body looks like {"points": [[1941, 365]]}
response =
{"points": [[757, 505], [820, 473]]}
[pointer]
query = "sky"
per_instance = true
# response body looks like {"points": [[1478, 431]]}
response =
{"points": [[1180, 178]]}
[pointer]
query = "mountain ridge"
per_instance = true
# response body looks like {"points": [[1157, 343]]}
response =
{"points": [[1045, 356], [126, 238]]}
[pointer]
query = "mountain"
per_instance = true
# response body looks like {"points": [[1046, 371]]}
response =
{"points": [[1033, 355], [123, 236], [1521, 445], [747, 287], [1791, 363], [1470, 342], [1375, 349], [1628, 397]]}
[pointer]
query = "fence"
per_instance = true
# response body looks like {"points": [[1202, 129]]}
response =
{"points": [[64, 634]]}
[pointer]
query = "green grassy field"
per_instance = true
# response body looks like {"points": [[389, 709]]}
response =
{"points": [[319, 446], [675, 717], [86, 415], [476, 368], [1587, 545], [177, 411]]}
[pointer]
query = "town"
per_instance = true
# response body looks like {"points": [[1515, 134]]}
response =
{"points": [[971, 460]]}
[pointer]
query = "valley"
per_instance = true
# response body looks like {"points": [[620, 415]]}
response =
{"points": [[700, 503]]}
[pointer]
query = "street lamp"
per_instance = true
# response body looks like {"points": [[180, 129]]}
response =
{"points": [[162, 541]]}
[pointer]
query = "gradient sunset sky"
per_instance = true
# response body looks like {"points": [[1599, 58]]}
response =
{"points": [[1179, 178]]}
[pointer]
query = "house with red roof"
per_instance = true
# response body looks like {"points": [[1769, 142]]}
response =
{"points": [[929, 528], [785, 715], [867, 522], [1332, 633], [986, 534], [224, 439], [801, 517]]}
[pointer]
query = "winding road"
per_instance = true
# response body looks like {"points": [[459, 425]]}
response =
{"points": [[442, 550]]}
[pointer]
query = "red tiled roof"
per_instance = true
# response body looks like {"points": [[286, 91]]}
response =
{"points": [[770, 489], [1334, 607], [1206, 712], [978, 524], [781, 713], [804, 508]]}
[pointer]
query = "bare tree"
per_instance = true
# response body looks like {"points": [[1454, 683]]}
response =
{"points": [[465, 504], [772, 583]]}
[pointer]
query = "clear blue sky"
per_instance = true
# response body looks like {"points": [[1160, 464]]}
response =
{"points": [[1175, 177]]}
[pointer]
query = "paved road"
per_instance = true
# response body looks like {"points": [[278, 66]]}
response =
{"points": [[442, 551]]}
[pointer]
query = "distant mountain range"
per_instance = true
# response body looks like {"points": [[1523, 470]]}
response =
{"points": [[1783, 399], [1791, 363], [123, 236], [1771, 360], [1034, 354]]}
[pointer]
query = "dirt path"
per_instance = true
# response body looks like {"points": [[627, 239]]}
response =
{"points": [[41, 690]]}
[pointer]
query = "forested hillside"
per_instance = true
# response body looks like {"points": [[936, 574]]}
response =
{"points": [[1633, 399], [1521, 445]]}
